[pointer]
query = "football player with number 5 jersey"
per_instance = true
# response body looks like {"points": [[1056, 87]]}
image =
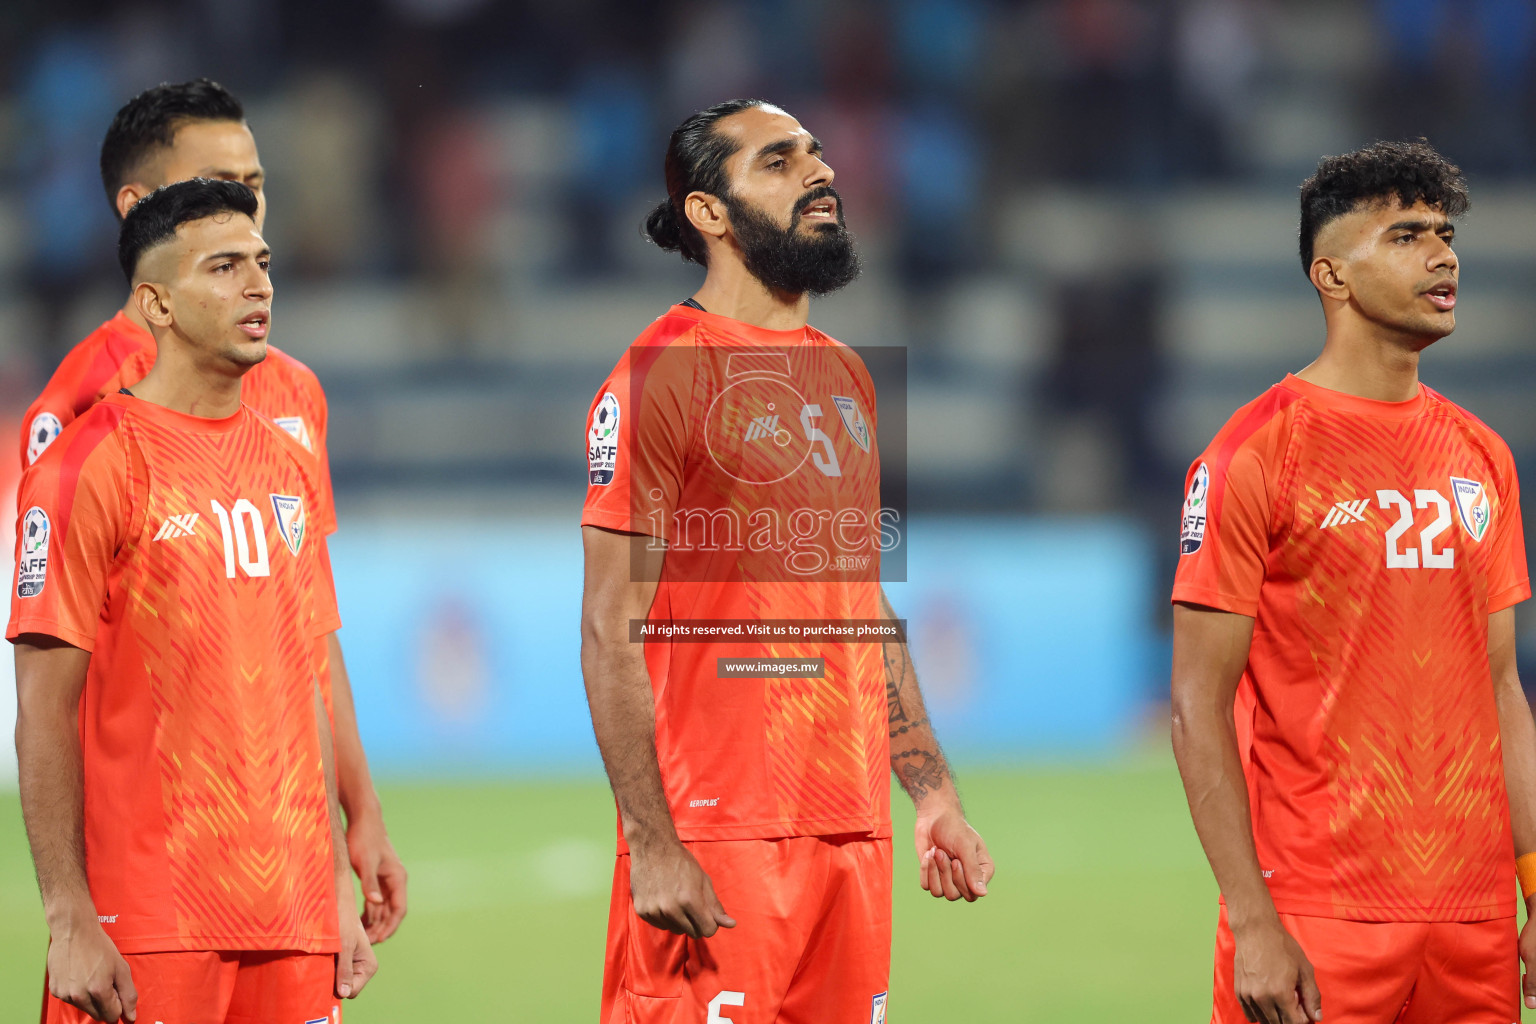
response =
{"points": [[176, 763], [1357, 750], [733, 471]]}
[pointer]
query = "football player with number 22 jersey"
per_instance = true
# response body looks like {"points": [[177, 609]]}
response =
{"points": [[733, 476], [175, 757], [1357, 750]]}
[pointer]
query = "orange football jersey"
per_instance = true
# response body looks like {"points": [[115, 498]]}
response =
{"points": [[752, 454], [1370, 541], [177, 550], [119, 353]]}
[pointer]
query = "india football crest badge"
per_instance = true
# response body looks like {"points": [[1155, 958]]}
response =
{"points": [[45, 427], [1473, 506], [603, 441], [853, 420], [32, 570], [296, 429], [291, 521], [1196, 505], [877, 1009]]}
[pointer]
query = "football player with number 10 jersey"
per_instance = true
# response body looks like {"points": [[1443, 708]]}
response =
{"points": [[175, 757]]}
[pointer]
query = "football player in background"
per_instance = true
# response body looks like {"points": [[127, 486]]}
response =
{"points": [[753, 879], [174, 752], [1357, 750], [166, 134]]}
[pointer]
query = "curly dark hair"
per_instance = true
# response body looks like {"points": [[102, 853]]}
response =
{"points": [[155, 218], [1409, 172], [695, 162], [148, 122]]}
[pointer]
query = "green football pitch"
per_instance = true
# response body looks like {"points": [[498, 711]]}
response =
{"points": [[1102, 909]]}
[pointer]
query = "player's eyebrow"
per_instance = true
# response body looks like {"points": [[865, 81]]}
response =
{"points": [[236, 255], [789, 146], [1423, 225]]}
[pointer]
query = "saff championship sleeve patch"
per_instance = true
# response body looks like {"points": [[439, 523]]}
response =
{"points": [[603, 441], [32, 569], [1192, 533]]}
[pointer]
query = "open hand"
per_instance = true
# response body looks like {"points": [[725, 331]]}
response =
{"points": [[381, 873]]}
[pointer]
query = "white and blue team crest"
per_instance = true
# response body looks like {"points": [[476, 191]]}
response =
{"points": [[297, 429], [291, 521], [603, 441], [877, 1009], [1196, 506], [853, 420], [40, 434], [1473, 506]]}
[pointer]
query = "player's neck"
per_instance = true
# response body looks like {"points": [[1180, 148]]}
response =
{"points": [[729, 290], [1368, 364], [178, 383]]}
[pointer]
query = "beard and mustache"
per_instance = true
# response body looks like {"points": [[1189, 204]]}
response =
{"points": [[789, 261]]}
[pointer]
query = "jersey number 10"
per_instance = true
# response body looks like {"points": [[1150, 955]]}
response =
{"points": [[245, 538]]}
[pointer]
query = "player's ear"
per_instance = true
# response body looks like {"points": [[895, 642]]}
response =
{"points": [[707, 213], [1327, 276], [127, 196], [153, 302]]}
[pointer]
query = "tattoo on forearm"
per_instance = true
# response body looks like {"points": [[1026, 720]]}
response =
{"points": [[895, 675], [923, 774]]}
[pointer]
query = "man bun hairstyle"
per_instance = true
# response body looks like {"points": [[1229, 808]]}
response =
{"points": [[148, 122], [1408, 172], [696, 156], [155, 218]]}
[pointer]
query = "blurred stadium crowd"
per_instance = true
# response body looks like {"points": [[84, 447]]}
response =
{"points": [[1077, 214]]}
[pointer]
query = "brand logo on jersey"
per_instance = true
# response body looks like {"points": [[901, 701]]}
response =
{"points": [[603, 441], [1192, 532], [877, 1009], [853, 420], [762, 426], [45, 427], [177, 526], [32, 571], [296, 428], [1473, 505], [290, 520], [1345, 512]]}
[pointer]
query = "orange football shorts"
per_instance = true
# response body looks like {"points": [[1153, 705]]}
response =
{"points": [[1410, 972], [812, 942], [224, 988]]}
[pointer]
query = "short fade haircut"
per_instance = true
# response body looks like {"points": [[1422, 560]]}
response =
{"points": [[695, 162], [149, 121], [1409, 172], [155, 218]]}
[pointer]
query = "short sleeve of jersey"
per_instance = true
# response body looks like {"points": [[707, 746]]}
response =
{"points": [[73, 511], [1229, 503], [638, 435], [1509, 580], [327, 612]]}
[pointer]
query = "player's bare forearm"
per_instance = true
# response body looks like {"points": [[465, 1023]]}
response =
{"points": [[355, 790], [378, 867], [1210, 652], [618, 684], [916, 758], [50, 676], [1517, 730]]}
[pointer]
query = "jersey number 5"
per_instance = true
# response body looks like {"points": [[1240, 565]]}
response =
{"points": [[1409, 558], [245, 538], [827, 462]]}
